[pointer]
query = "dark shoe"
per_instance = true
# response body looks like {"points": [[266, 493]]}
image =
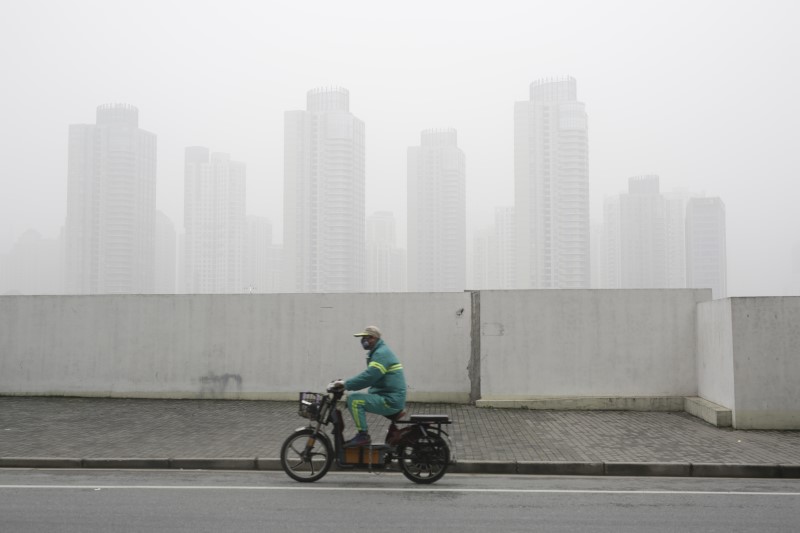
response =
{"points": [[362, 438]]}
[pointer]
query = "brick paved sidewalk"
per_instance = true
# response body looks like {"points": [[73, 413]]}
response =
{"points": [[81, 428]]}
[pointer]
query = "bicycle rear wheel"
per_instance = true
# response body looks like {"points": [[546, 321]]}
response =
{"points": [[306, 457], [425, 460]]}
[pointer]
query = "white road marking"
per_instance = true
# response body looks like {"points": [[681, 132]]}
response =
{"points": [[409, 489]]}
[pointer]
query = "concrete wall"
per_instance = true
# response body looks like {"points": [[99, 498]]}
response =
{"points": [[715, 352], [749, 359], [766, 367], [620, 343], [227, 346], [740, 353]]}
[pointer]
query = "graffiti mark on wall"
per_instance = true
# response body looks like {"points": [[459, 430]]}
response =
{"points": [[218, 385]]}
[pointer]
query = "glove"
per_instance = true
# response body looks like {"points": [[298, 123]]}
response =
{"points": [[338, 384]]}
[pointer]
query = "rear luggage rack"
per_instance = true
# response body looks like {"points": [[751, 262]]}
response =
{"points": [[434, 419]]}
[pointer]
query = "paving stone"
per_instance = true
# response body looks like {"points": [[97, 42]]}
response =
{"points": [[103, 428]]}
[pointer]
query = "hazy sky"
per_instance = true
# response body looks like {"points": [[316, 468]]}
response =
{"points": [[706, 94]]}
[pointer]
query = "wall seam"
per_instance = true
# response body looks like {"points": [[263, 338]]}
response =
{"points": [[474, 366]]}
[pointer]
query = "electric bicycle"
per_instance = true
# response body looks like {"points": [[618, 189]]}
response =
{"points": [[418, 446]]}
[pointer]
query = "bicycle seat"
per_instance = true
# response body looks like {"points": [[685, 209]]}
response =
{"points": [[397, 416]]}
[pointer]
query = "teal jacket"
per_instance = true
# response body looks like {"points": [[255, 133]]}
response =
{"points": [[383, 375]]}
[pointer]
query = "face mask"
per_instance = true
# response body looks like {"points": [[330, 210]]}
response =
{"points": [[365, 343]]}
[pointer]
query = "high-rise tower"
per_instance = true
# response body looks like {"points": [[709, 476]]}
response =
{"points": [[386, 263], [111, 204], [324, 195], [214, 220], [262, 258], [706, 249], [675, 203], [166, 255], [493, 255], [551, 175], [437, 213], [636, 236]]}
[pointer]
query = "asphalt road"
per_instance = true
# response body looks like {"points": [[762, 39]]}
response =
{"points": [[202, 501]]}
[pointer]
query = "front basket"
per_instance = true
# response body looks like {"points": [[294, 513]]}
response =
{"points": [[310, 403]]}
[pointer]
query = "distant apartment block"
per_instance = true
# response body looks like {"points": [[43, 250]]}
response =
{"points": [[706, 254], [610, 249], [675, 223], [386, 263], [324, 178], [437, 213], [637, 236], [111, 204], [166, 255], [494, 253], [214, 221], [34, 265], [651, 239], [478, 269], [598, 255], [262, 258], [793, 285], [551, 177], [643, 237], [505, 247], [180, 275]]}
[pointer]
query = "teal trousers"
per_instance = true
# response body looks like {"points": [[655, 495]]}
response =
{"points": [[359, 403]]}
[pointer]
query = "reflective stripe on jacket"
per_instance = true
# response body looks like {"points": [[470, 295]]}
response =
{"points": [[384, 376]]}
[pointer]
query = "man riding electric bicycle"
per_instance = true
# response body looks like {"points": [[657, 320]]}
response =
{"points": [[385, 379]]}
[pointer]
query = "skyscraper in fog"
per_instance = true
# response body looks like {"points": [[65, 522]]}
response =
{"points": [[323, 204], [437, 213], [111, 204], [505, 247], [478, 267], [386, 263], [214, 220], [706, 254], [610, 250], [262, 258], [637, 236], [551, 177], [34, 265], [675, 212], [493, 253], [166, 255], [793, 285]]}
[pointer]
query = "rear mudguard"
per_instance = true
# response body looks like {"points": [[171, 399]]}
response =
{"points": [[415, 432]]}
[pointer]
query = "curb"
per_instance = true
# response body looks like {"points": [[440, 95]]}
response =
{"points": [[39, 462], [790, 471], [648, 469], [736, 470], [537, 468], [213, 464], [132, 463]]}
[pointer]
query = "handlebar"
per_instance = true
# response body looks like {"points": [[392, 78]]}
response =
{"points": [[334, 387]]}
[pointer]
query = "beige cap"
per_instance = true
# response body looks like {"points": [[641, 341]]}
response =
{"points": [[369, 331]]}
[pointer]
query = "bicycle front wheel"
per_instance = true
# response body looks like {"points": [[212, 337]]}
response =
{"points": [[306, 457]]}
